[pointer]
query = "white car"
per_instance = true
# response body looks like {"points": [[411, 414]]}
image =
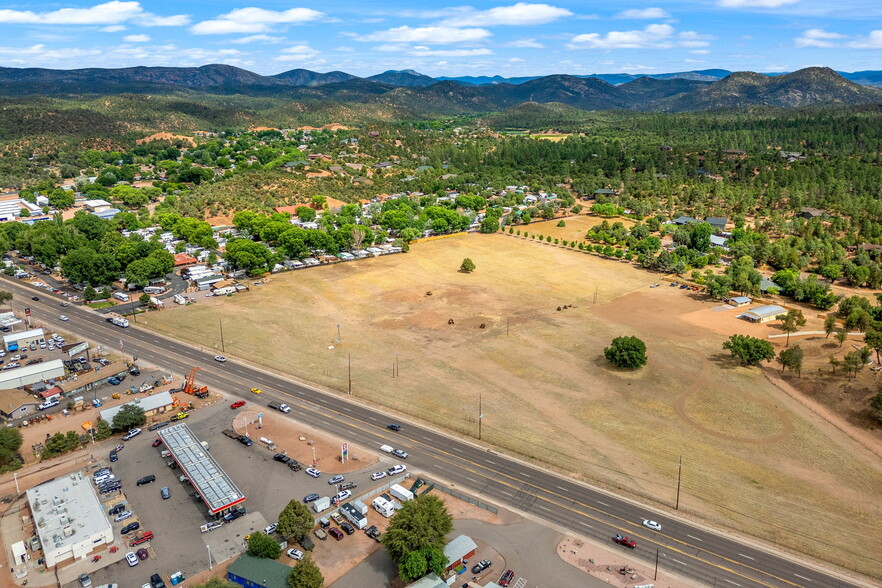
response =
{"points": [[652, 525], [132, 559], [378, 475], [220, 358], [341, 496], [397, 469], [64, 318], [295, 554], [271, 529], [313, 472], [131, 433]]}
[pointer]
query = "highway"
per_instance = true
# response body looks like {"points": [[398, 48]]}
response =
{"points": [[691, 551]]}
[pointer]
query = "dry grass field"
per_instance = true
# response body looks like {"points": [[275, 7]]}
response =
{"points": [[754, 460]]}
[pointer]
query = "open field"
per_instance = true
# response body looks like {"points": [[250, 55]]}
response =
{"points": [[753, 459]]}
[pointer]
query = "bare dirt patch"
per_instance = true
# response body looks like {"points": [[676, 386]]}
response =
{"points": [[753, 459], [167, 137]]}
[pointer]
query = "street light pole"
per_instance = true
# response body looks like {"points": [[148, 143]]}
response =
{"points": [[210, 566], [350, 374], [480, 413], [679, 477], [338, 333], [221, 320]]}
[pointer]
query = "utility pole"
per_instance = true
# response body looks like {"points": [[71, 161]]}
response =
{"points": [[338, 334], [507, 325], [655, 575], [679, 477], [350, 374], [480, 413], [210, 566], [222, 335], [132, 301]]}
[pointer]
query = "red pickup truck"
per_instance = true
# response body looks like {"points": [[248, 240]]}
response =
{"points": [[626, 541], [142, 538]]}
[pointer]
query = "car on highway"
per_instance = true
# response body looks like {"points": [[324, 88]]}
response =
{"points": [[63, 304], [400, 453], [295, 554], [378, 475], [35, 298], [336, 479], [257, 390], [220, 358], [626, 541], [132, 559], [397, 469], [311, 498], [238, 404], [393, 427], [313, 472], [63, 318], [652, 525], [506, 578], [481, 566]]}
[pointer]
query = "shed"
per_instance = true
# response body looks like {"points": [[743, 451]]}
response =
{"points": [[85, 382], [717, 222], [807, 212], [718, 241], [463, 547], [740, 301], [31, 374], [763, 314], [254, 571]]}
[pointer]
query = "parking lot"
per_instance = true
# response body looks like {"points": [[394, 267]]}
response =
{"points": [[268, 485]]}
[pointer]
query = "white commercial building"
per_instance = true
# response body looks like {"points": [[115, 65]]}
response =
{"points": [[69, 518], [31, 374], [15, 341]]}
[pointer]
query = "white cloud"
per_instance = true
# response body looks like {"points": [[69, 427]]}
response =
{"points": [[108, 13], [430, 35], [254, 20], [519, 14], [136, 38], [755, 3], [297, 53], [516, 60], [817, 38], [426, 52], [257, 39], [112, 29], [693, 39], [526, 44], [654, 35], [638, 13], [872, 41], [699, 52]]}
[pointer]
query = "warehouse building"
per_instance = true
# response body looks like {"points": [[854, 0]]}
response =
{"points": [[151, 405], [69, 519], [763, 314], [31, 374], [16, 341], [82, 383]]}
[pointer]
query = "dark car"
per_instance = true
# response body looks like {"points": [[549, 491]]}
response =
{"points": [[142, 554], [165, 493], [117, 509], [130, 527], [113, 455], [155, 426], [245, 440], [156, 581], [505, 579], [311, 498], [35, 298], [146, 480], [394, 427], [348, 528], [282, 458], [481, 566], [235, 513], [336, 533]]}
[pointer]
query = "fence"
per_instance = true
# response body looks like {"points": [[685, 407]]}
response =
{"points": [[466, 498]]}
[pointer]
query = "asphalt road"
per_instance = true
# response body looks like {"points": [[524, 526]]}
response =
{"points": [[691, 551]]}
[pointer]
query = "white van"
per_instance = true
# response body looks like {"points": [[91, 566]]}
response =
{"points": [[121, 296], [386, 449]]}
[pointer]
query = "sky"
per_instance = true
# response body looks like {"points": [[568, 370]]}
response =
{"points": [[440, 38]]}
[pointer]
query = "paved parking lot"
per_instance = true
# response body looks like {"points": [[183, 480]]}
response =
{"points": [[178, 544]]}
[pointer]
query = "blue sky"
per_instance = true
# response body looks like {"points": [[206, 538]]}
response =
{"points": [[448, 38]]}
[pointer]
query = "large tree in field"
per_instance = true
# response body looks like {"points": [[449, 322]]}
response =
{"points": [[626, 352], [791, 322], [749, 350], [420, 526], [295, 521], [873, 339], [791, 359]]}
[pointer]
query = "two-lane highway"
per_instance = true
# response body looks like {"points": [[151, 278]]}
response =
{"points": [[691, 551]]}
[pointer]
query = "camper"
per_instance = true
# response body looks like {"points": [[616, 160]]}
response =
{"points": [[121, 296], [401, 493], [383, 506]]}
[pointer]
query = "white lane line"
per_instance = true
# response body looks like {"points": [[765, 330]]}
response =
{"points": [[603, 503], [678, 561], [526, 475], [471, 480], [455, 448], [345, 408], [731, 582], [694, 537], [488, 461], [543, 508], [562, 488], [426, 438], [372, 418], [747, 556], [803, 577], [586, 524]]}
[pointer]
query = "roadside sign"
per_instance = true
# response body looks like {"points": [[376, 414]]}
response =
{"points": [[344, 451], [78, 348]]}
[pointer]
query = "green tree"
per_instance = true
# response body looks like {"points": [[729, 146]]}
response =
{"points": [[791, 359], [144, 299], [562, 223], [873, 339], [306, 574], [421, 523], [791, 322], [834, 363], [876, 405], [490, 224], [5, 297], [829, 325], [859, 319], [295, 521], [841, 336], [626, 352], [129, 416], [10, 442], [262, 545], [467, 266], [102, 431], [854, 362], [749, 350], [413, 566], [90, 294], [305, 213]]}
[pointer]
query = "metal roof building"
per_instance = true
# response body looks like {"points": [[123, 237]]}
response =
{"points": [[763, 314], [148, 404], [31, 374], [208, 478]]}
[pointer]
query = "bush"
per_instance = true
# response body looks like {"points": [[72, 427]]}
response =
{"points": [[562, 223], [626, 352], [467, 266]]}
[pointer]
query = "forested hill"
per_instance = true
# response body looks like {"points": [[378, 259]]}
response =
{"points": [[412, 95]]}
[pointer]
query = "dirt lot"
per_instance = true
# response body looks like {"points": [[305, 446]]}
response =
{"points": [[754, 459]]}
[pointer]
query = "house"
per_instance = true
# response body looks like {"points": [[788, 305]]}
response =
{"points": [[463, 547], [739, 301], [15, 403], [97, 205], [254, 572], [718, 241], [807, 212], [291, 165], [684, 220], [151, 405], [383, 165], [184, 259], [605, 192], [763, 314], [717, 222]]}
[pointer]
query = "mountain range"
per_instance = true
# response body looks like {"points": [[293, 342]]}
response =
{"points": [[421, 95]]}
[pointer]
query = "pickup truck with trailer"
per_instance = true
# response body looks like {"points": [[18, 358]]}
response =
{"points": [[281, 407], [207, 527], [143, 537], [231, 434]]}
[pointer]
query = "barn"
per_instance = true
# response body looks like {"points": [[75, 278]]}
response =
{"points": [[763, 314]]}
